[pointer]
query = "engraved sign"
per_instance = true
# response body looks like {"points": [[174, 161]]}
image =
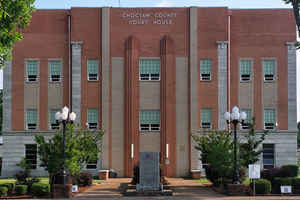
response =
{"points": [[286, 189], [157, 18], [149, 172]]}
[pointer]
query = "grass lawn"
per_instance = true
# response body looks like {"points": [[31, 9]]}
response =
{"points": [[202, 180]]}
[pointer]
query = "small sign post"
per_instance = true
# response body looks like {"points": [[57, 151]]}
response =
{"points": [[286, 189], [254, 173]]}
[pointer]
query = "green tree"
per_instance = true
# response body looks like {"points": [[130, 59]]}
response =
{"points": [[298, 134], [295, 4], [249, 151], [1, 110], [15, 15], [82, 146], [216, 149]]}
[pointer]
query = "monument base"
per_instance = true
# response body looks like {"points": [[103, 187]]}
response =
{"points": [[144, 188]]}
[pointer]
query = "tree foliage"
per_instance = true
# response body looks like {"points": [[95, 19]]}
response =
{"points": [[250, 151], [15, 15], [1, 110], [81, 147]]}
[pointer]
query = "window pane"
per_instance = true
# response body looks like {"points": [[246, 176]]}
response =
{"points": [[245, 67], [55, 67], [149, 117], [149, 66], [269, 116], [268, 155], [31, 67], [205, 115], [31, 155], [31, 116], [269, 67], [92, 115], [249, 115], [93, 66], [205, 66]]}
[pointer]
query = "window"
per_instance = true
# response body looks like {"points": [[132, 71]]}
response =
{"points": [[31, 155], [205, 70], [31, 70], [93, 118], [268, 156], [269, 70], [149, 120], [269, 119], [92, 164], [53, 123], [55, 70], [245, 70], [149, 69], [31, 119], [246, 123], [205, 118], [93, 68]]}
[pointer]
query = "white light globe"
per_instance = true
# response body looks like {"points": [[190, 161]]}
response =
{"points": [[235, 109], [58, 116], [243, 116], [227, 115], [64, 116], [65, 110], [72, 116], [235, 116]]}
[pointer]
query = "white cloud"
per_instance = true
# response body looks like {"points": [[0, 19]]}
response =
{"points": [[164, 3]]}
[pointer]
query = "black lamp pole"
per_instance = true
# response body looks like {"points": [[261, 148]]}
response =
{"points": [[235, 169]]}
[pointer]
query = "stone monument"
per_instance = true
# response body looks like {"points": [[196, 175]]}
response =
{"points": [[149, 172]]}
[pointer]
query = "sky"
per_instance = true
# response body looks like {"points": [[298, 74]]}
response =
{"points": [[67, 4]]}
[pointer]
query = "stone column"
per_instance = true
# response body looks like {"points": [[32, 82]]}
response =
{"points": [[292, 85], [222, 83], [7, 72], [76, 80]]}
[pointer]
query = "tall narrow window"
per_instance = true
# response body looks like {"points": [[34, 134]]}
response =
{"points": [[93, 118], [269, 119], [31, 119], [247, 121], [93, 69], [149, 69], [245, 70], [53, 123], [55, 70], [31, 70], [269, 70], [268, 156], [149, 120], [205, 70], [31, 155], [205, 118]]}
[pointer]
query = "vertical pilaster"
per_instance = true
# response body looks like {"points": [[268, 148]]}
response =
{"points": [[194, 82], [292, 84], [131, 105], [76, 80], [222, 83], [168, 106], [7, 73], [105, 24]]}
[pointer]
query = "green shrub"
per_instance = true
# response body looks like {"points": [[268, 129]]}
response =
{"points": [[10, 187], [289, 171], [21, 189], [296, 183], [262, 186], [3, 190], [40, 189], [279, 182]]}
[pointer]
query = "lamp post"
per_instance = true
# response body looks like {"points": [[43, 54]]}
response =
{"points": [[64, 117], [234, 118]]}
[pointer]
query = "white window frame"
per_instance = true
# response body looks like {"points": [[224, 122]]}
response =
{"points": [[247, 79], [61, 71], [27, 79], [149, 127], [275, 70], [204, 78], [149, 77], [206, 125], [88, 74], [32, 126], [269, 126], [92, 126]]}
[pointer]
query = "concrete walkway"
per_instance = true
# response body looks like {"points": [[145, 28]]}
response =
{"points": [[183, 190]]}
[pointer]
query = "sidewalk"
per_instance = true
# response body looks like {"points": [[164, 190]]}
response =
{"points": [[183, 190]]}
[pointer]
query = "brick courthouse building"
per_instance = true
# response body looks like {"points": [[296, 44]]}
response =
{"points": [[149, 77]]}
